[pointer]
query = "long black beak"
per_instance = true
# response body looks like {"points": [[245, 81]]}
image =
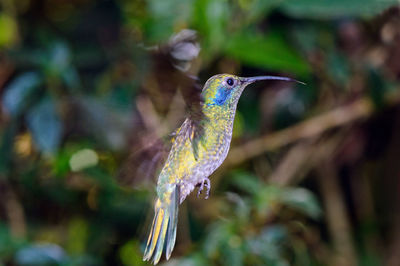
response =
{"points": [[254, 79]]}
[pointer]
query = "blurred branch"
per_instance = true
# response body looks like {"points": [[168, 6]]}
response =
{"points": [[14, 210], [292, 162], [393, 255], [362, 194], [300, 159], [340, 116], [153, 122], [336, 215], [303, 157], [149, 114], [6, 70], [391, 181]]}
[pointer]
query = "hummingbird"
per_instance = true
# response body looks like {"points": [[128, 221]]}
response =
{"points": [[199, 146]]}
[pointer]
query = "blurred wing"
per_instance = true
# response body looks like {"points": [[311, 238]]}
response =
{"points": [[169, 75], [143, 164]]}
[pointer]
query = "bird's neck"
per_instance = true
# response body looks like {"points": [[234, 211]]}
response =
{"points": [[220, 115]]}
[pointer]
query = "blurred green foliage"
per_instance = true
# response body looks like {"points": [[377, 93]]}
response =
{"points": [[84, 82]]}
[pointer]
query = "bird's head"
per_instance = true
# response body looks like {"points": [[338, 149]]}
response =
{"points": [[224, 90]]}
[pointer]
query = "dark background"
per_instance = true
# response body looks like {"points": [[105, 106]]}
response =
{"points": [[312, 177]]}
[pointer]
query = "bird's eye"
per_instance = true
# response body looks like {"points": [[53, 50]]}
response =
{"points": [[229, 81]]}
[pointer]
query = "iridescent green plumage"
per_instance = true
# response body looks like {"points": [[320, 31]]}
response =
{"points": [[198, 149]]}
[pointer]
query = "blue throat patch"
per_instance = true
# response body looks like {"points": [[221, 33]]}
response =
{"points": [[222, 95]]}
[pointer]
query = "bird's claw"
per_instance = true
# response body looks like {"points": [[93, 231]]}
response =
{"points": [[205, 182]]}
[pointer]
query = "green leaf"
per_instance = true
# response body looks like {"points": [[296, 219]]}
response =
{"points": [[161, 24], [130, 254], [60, 163], [59, 58], [217, 237], [266, 198], [246, 182], [82, 159], [211, 18], [328, 9], [45, 126], [193, 259], [77, 236], [9, 30], [269, 245], [271, 52], [18, 91], [8, 243], [41, 254], [258, 9], [302, 200]]}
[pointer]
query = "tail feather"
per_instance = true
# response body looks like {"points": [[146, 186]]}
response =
{"points": [[164, 225], [161, 238], [171, 237], [155, 231]]}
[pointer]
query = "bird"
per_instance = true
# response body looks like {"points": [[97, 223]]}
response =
{"points": [[199, 146]]}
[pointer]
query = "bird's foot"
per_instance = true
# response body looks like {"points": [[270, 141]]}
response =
{"points": [[205, 182]]}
